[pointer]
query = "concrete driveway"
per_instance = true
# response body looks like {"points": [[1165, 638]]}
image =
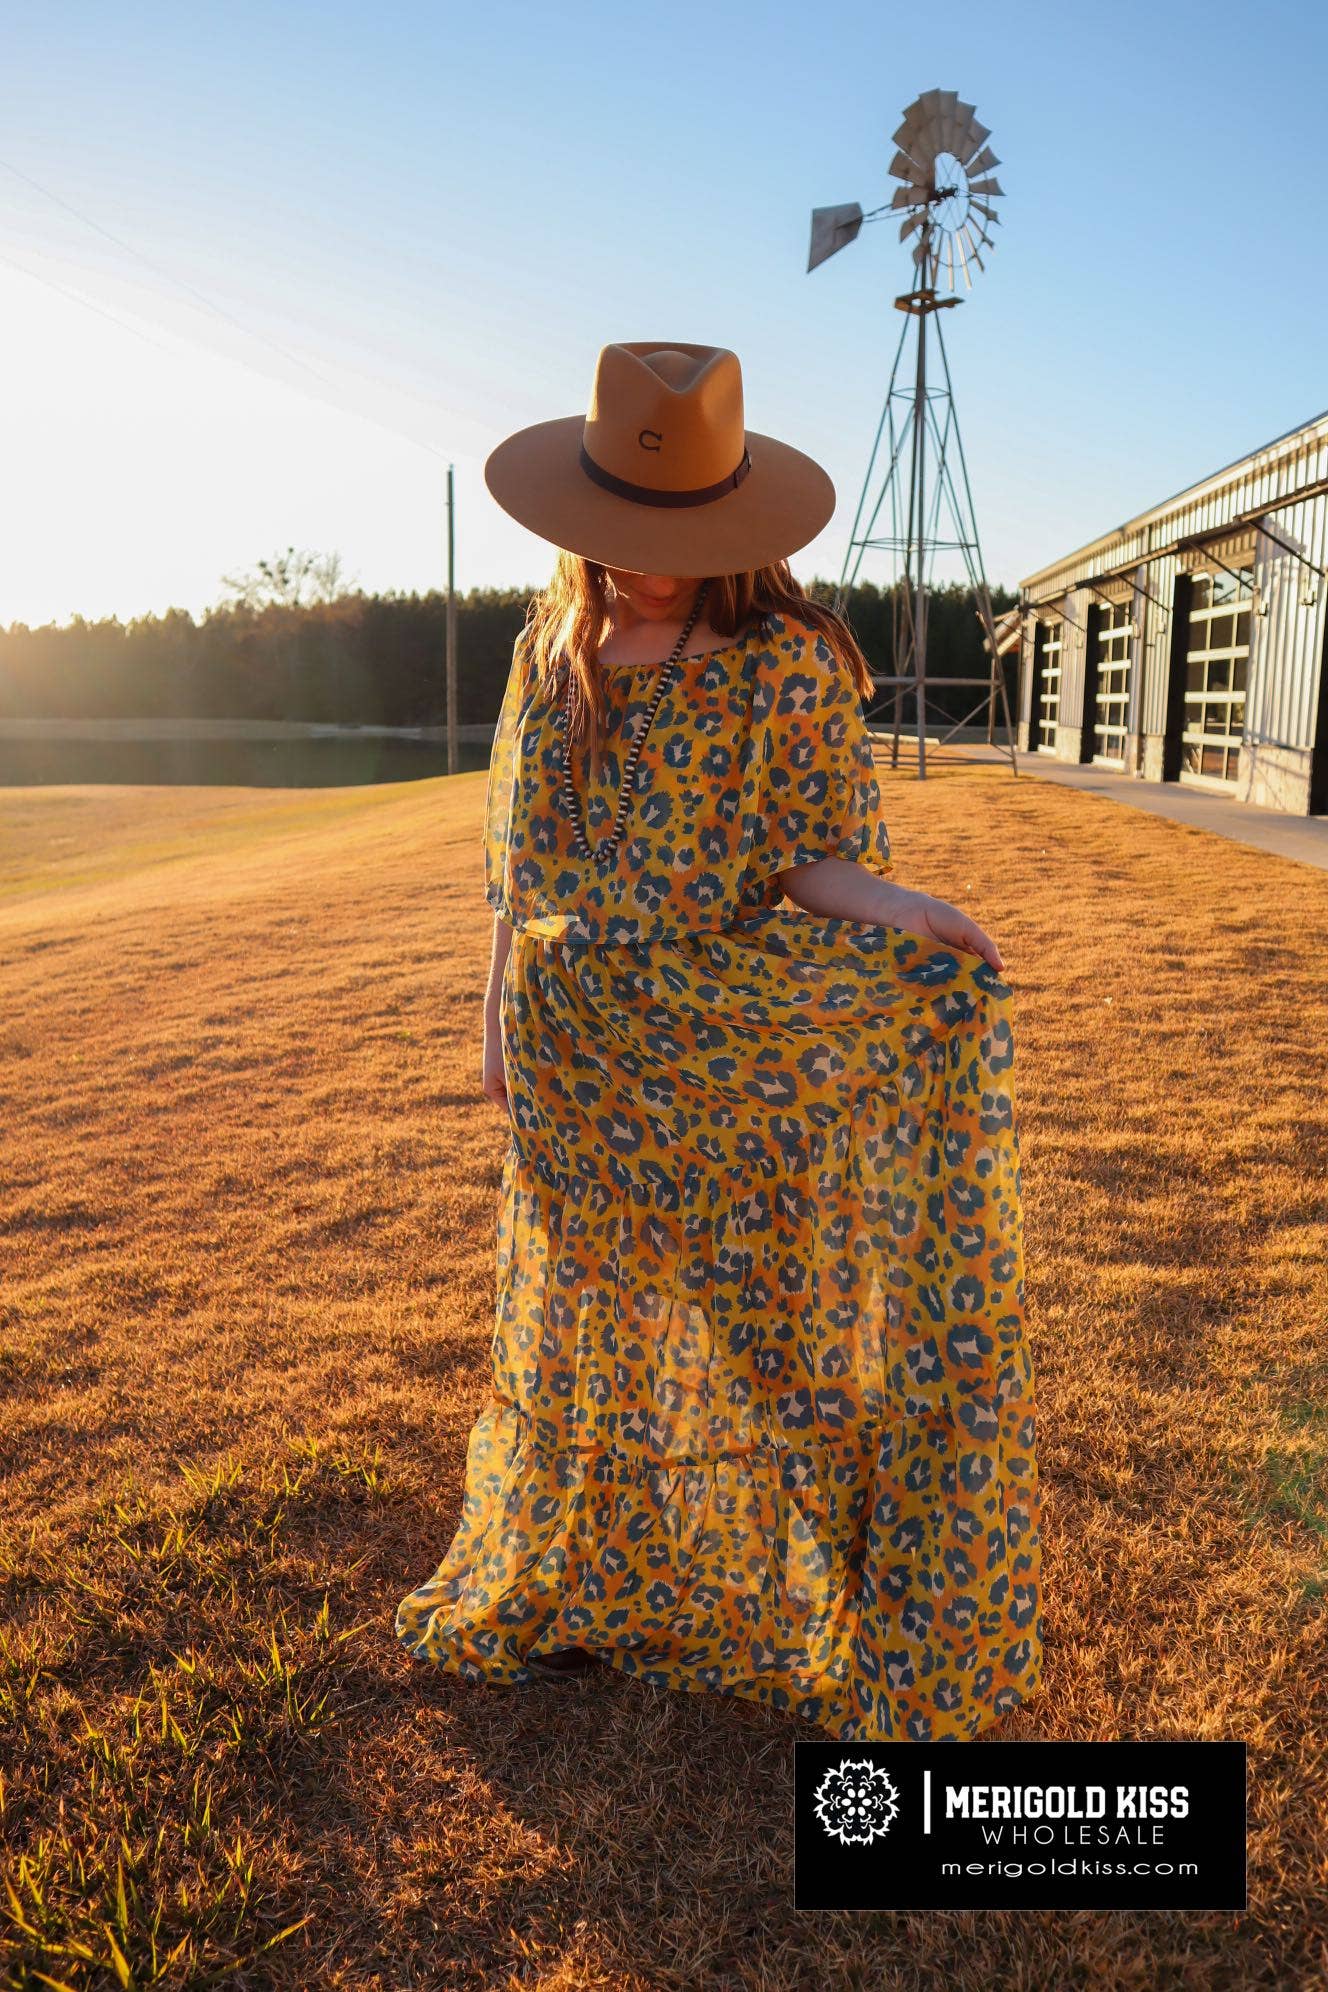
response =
{"points": [[1304, 838]]}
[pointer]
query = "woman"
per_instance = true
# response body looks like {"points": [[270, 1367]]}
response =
{"points": [[762, 1410]]}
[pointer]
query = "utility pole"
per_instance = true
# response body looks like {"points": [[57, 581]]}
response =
{"points": [[450, 668]]}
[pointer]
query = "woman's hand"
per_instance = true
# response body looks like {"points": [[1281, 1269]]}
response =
{"points": [[493, 1083], [921, 914]]}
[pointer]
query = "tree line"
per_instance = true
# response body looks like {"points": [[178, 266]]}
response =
{"points": [[362, 659]]}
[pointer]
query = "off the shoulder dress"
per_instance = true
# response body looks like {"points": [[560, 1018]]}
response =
{"points": [[761, 1419]]}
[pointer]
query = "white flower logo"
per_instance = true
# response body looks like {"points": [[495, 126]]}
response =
{"points": [[856, 1801]]}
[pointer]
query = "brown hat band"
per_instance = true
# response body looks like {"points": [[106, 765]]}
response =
{"points": [[646, 494]]}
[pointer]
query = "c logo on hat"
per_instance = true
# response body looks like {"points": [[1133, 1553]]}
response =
{"points": [[658, 442]]}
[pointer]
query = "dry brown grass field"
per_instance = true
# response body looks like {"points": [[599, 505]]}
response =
{"points": [[247, 1223]]}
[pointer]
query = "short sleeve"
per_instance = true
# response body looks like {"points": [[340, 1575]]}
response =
{"points": [[811, 789], [500, 793]]}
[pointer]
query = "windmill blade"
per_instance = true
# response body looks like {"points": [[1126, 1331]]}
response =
{"points": [[985, 187], [954, 127], [963, 260], [903, 162], [917, 134], [975, 245], [911, 197], [904, 168], [982, 208], [908, 129], [984, 162], [973, 138], [964, 143], [956, 124], [906, 228], [832, 229]]}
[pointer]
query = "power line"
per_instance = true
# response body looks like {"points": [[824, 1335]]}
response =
{"points": [[129, 249], [208, 304], [77, 298]]}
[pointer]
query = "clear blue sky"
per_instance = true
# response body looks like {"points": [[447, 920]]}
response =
{"points": [[416, 225]]}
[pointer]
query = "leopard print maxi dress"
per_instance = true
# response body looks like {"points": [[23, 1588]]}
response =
{"points": [[761, 1419]]}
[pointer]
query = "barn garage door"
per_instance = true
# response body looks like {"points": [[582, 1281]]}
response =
{"points": [[1047, 678], [1114, 648], [1216, 665]]}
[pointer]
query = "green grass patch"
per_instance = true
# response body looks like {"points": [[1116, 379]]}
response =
{"points": [[171, 1674], [1290, 1483]]}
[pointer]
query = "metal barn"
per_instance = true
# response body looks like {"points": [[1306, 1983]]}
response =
{"points": [[1189, 644]]}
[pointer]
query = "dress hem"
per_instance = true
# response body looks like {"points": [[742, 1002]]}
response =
{"points": [[681, 1678]]}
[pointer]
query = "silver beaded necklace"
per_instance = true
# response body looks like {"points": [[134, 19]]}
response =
{"points": [[607, 849]]}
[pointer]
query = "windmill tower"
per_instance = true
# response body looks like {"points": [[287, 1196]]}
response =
{"points": [[945, 165]]}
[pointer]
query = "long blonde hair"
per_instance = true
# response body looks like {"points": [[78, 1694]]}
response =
{"points": [[570, 618]]}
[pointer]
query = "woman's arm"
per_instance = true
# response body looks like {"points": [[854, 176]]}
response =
{"points": [[494, 1080], [839, 889]]}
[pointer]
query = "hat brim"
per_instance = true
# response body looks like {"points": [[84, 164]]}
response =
{"points": [[784, 501]]}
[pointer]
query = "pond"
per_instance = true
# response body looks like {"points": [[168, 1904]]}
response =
{"points": [[315, 761]]}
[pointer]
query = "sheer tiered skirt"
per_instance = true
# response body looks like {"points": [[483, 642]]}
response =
{"points": [[761, 1419]]}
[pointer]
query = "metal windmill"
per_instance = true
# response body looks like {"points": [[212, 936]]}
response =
{"points": [[945, 165]]}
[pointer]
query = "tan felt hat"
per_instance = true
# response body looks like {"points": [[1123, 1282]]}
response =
{"points": [[661, 476]]}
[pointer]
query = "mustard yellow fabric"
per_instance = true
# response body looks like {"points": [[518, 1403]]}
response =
{"points": [[761, 1416], [758, 759]]}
